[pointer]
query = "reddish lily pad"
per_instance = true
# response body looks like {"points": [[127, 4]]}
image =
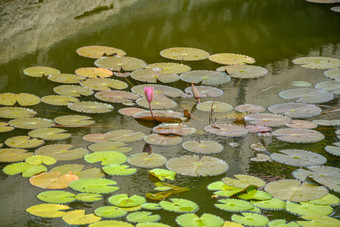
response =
{"points": [[53, 180]]}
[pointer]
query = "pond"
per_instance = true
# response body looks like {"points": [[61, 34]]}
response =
{"points": [[274, 33]]}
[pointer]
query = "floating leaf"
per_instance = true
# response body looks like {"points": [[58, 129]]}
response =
{"points": [[48, 210], [26, 169], [102, 84], [301, 84], [90, 107], [250, 108], [260, 129], [319, 220], [307, 95], [163, 174], [158, 89], [53, 180], [94, 185], [335, 150], [88, 197], [333, 73], [39, 71], [14, 155], [119, 63], [65, 78], [93, 72], [215, 106], [254, 194], [326, 122], [123, 200], [331, 86], [74, 120], [56, 196], [99, 51], [294, 135], [329, 199], [119, 170], [203, 146], [261, 158], [296, 110], [160, 116], [23, 142], [305, 208], [111, 224], [250, 219], [110, 212], [231, 59], [244, 71], [125, 135], [31, 123], [226, 130], [231, 224], [244, 181], [58, 100], [317, 62], [78, 170], [151, 206], [271, 204], [95, 138], [153, 75], [179, 205], [110, 146], [160, 101], [61, 152], [223, 189], [295, 190], [162, 140], [16, 112], [282, 223], [142, 216], [184, 54], [267, 119], [73, 90], [4, 127], [174, 129], [302, 124], [146, 160], [169, 67], [206, 77], [192, 220], [193, 165], [233, 205], [23, 99], [50, 133], [130, 111], [40, 159], [205, 91], [78, 217], [296, 157], [116, 96], [106, 157]]}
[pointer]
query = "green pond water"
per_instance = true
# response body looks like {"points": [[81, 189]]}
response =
{"points": [[272, 32]]}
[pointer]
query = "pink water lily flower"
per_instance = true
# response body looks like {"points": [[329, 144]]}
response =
{"points": [[149, 95]]}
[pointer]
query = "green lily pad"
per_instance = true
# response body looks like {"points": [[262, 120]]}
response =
{"points": [[305, 208], [296, 110], [244, 71], [90, 107], [244, 181], [163, 174], [206, 77], [317, 62], [26, 169], [142, 216], [203, 146], [23, 99], [59, 100], [65, 78], [56, 196], [88, 197], [254, 194], [46, 210], [192, 220], [282, 223], [158, 89], [106, 157], [16, 112], [159, 101], [333, 73], [4, 127], [301, 84], [125, 135], [150, 224], [73, 90], [302, 124], [119, 170], [151, 206], [123, 200], [226, 130], [223, 189], [40, 159], [93, 72], [146, 160], [179, 205], [169, 67], [297, 135], [31, 123], [307, 95], [94, 185], [78, 217], [295, 190], [110, 212], [250, 219], [111, 224], [231, 59], [335, 150], [296, 157], [96, 52], [61, 152], [329, 199], [271, 204], [39, 71], [74, 120], [110, 146], [116, 96], [184, 54], [120, 63], [193, 165], [216, 106], [319, 221], [233, 205], [152, 75], [206, 91], [102, 84], [23, 142], [50, 133], [14, 154]]}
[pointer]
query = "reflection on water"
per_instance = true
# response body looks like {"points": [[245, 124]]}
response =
{"points": [[48, 33]]}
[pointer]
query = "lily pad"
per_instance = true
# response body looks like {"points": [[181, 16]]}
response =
{"points": [[295, 190], [58, 100], [56, 196], [53, 180], [250, 108], [254, 194], [65, 78], [152, 75], [302, 124], [39, 71], [61, 152], [125, 135], [267, 119], [215, 106], [46, 210], [271, 204], [158, 89], [179, 205], [231, 59], [282, 223], [90, 107], [331, 86], [160, 116], [130, 111], [243, 181], [16, 112], [222, 189], [99, 51], [50, 133], [329, 199], [110, 212], [119, 170], [159, 101], [206, 91], [151, 206], [305, 208], [142, 217], [120, 63], [116, 96], [206, 77], [333, 73], [14, 155], [93, 72], [174, 129], [146, 160], [111, 224], [293, 135], [94, 185], [326, 122], [307, 95], [227, 130], [250, 219], [319, 220], [163, 174], [40, 159], [31, 123], [74, 120], [244, 71], [102, 84], [73, 90], [317, 62], [23, 99], [96, 137], [110, 146], [162, 140], [26, 169], [184, 54], [4, 127], [206, 220], [169, 67], [335, 150], [296, 157], [203, 147], [106, 157], [79, 170], [23, 142], [193, 165], [150, 224], [123, 200], [78, 217], [296, 110], [233, 205]]}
